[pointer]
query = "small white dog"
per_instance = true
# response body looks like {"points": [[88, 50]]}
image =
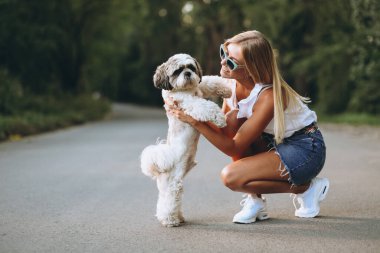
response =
{"points": [[169, 161]]}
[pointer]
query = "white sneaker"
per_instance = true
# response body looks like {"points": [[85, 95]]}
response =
{"points": [[253, 208], [309, 200]]}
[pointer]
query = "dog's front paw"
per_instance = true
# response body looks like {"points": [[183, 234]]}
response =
{"points": [[224, 92], [220, 123], [219, 120]]}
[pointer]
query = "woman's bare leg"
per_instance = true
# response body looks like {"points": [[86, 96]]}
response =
{"points": [[259, 146], [259, 174]]}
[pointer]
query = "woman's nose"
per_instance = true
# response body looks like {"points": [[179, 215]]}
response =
{"points": [[223, 62]]}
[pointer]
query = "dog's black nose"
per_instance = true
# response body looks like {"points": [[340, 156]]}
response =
{"points": [[187, 73]]}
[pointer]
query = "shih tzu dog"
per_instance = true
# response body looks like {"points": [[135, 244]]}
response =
{"points": [[169, 161]]}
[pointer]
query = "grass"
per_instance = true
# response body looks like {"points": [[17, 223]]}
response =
{"points": [[40, 114], [351, 118]]}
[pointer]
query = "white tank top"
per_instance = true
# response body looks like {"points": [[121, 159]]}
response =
{"points": [[295, 119]]}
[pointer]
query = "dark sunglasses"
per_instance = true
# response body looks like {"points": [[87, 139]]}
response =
{"points": [[231, 64]]}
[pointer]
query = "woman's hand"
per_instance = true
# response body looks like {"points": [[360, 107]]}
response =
{"points": [[182, 116], [177, 112]]}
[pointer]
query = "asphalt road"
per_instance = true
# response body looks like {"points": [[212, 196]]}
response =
{"points": [[81, 190]]}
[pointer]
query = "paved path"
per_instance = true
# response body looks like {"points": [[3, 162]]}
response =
{"points": [[81, 190]]}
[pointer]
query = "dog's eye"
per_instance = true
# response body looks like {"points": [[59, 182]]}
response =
{"points": [[178, 71], [192, 67]]}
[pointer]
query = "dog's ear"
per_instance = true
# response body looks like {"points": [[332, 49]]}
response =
{"points": [[161, 79], [199, 69]]}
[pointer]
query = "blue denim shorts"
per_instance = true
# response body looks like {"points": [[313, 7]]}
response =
{"points": [[303, 155]]}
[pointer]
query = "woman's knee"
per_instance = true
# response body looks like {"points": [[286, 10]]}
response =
{"points": [[229, 178], [233, 181]]}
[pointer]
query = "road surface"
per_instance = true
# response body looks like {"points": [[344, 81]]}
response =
{"points": [[80, 189]]}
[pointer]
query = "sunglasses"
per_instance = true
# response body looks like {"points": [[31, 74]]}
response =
{"points": [[231, 64]]}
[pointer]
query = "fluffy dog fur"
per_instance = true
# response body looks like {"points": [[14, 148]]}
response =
{"points": [[169, 161]]}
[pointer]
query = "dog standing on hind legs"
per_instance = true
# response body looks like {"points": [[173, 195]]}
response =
{"points": [[169, 161]]}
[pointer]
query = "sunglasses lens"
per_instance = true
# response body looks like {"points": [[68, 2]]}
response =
{"points": [[222, 53], [231, 65]]}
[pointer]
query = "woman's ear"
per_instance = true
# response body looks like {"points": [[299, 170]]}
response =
{"points": [[161, 79]]}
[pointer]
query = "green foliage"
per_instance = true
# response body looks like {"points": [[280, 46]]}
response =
{"points": [[350, 118], [44, 43], [328, 50], [155, 37], [10, 93], [37, 114], [365, 70]]}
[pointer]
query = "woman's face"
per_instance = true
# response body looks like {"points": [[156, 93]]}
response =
{"points": [[233, 52]]}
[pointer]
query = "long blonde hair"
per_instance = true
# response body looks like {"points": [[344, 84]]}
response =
{"points": [[261, 64]]}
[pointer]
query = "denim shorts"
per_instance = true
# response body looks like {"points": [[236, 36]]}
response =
{"points": [[303, 155]]}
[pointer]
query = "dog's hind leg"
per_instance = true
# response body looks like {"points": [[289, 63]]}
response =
{"points": [[169, 200], [179, 175]]}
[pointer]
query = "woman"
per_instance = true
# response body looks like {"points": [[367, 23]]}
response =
{"points": [[271, 134]]}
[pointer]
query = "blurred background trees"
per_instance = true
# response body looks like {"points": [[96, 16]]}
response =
{"points": [[328, 50]]}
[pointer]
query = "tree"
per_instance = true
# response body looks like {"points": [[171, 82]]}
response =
{"points": [[365, 71], [45, 43]]}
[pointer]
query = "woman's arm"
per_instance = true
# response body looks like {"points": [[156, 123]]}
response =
{"points": [[251, 129]]}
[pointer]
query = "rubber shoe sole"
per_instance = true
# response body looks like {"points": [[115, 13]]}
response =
{"points": [[261, 216]]}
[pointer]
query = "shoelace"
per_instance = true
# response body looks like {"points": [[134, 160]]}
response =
{"points": [[294, 199], [246, 196]]}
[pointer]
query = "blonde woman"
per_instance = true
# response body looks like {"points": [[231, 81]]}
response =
{"points": [[271, 134]]}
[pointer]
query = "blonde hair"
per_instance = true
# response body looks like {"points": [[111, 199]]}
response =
{"points": [[261, 64]]}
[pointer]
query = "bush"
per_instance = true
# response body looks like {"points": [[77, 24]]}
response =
{"points": [[10, 93], [36, 114]]}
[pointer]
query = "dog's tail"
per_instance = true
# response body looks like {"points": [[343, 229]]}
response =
{"points": [[156, 159]]}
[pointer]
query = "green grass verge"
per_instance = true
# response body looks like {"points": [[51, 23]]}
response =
{"points": [[351, 118], [41, 114]]}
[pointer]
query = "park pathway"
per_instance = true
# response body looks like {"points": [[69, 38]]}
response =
{"points": [[81, 190]]}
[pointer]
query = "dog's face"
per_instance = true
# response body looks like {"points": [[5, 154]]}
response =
{"points": [[179, 72]]}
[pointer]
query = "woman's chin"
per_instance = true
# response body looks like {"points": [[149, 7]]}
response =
{"points": [[225, 74]]}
